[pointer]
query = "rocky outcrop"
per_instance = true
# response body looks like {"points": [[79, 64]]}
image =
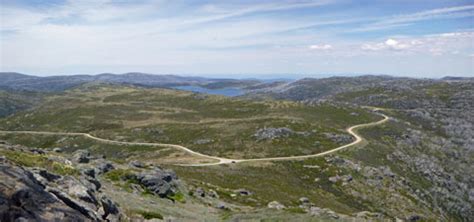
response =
{"points": [[273, 133], [22, 197], [339, 138], [159, 181], [203, 141], [269, 133], [38, 195]]}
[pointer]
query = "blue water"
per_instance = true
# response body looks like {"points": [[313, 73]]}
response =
{"points": [[224, 91]]}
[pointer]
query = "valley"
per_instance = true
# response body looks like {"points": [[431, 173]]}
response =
{"points": [[329, 156]]}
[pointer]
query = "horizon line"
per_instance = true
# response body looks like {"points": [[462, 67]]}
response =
{"points": [[263, 76]]}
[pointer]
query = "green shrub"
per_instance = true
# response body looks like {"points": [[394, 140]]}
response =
{"points": [[120, 174], [151, 215], [36, 160], [178, 197]]}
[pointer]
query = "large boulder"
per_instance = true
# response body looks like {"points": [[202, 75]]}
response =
{"points": [[160, 182], [23, 198]]}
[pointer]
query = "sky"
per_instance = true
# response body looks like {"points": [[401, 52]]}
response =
{"points": [[238, 39]]}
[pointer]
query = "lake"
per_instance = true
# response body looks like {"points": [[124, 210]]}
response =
{"points": [[224, 91]]}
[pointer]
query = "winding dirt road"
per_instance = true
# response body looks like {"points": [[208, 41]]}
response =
{"points": [[350, 130], [219, 160]]}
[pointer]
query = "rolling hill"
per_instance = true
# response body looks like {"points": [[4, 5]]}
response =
{"points": [[416, 166]]}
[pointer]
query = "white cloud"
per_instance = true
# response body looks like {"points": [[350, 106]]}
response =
{"points": [[391, 44], [434, 45], [396, 45], [320, 47]]}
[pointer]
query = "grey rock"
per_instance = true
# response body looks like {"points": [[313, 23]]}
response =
{"points": [[37, 151], [368, 215], [273, 133], [109, 207], [104, 167], [91, 183], [334, 179], [58, 150], [137, 189], [200, 192], [332, 214], [90, 172], [80, 188], [203, 141], [304, 200], [74, 204], [344, 178], [414, 218], [315, 211], [221, 206], [23, 198], [243, 192], [159, 181], [80, 191], [213, 194], [276, 205], [46, 175], [137, 164], [81, 156], [347, 178]]}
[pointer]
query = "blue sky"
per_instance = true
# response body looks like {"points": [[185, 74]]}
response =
{"points": [[291, 39]]}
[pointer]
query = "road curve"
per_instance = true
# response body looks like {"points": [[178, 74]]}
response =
{"points": [[113, 141], [350, 130], [219, 160]]}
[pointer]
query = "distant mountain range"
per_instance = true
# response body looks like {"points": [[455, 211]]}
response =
{"points": [[19, 81]]}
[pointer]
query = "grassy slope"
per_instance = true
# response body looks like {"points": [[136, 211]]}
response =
{"points": [[167, 116], [11, 102]]}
